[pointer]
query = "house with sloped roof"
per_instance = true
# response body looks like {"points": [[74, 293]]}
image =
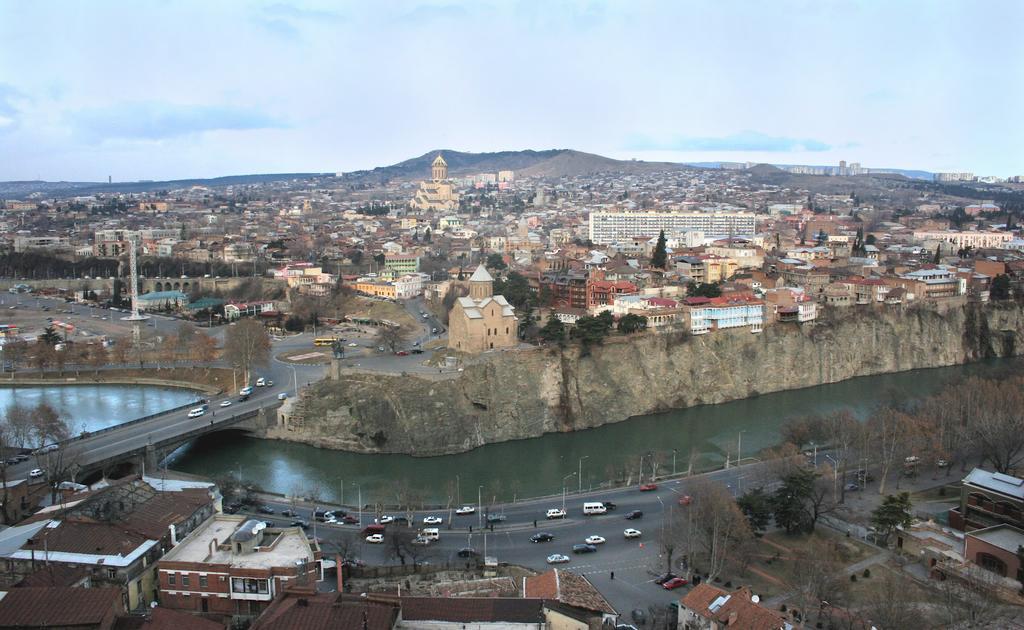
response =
{"points": [[482, 321], [569, 595], [708, 607]]}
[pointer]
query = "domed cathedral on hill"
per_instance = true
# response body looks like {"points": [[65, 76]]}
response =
{"points": [[438, 193], [482, 321]]}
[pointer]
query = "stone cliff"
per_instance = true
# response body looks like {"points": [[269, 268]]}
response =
{"points": [[514, 395]]}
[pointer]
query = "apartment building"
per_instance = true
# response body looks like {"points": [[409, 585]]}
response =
{"points": [[402, 263], [966, 238], [609, 226], [721, 313], [988, 499], [233, 565]]}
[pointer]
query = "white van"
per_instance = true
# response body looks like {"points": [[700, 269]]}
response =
{"points": [[195, 413], [594, 508], [430, 533]]}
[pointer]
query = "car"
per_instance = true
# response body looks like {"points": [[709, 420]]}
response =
{"points": [[632, 533], [35, 472], [300, 523], [348, 519], [850, 487], [594, 540], [495, 518], [542, 537], [467, 552], [260, 382], [674, 583], [270, 383], [433, 330], [648, 487], [635, 514], [556, 513], [225, 403], [584, 548], [685, 500], [384, 520], [557, 558], [425, 316], [465, 509], [421, 540], [21, 458], [195, 413], [282, 396], [353, 344], [608, 505], [664, 578], [380, 348], [375, 539], [245, 391], [265, 509], [288, 512], [941, 463], [432, 520], [417, 351], [402, 353], [639, 616]]}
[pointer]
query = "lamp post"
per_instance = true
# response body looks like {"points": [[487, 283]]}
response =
{"points": [[581, 473], [674, 453], [295, 381], [739, 447], [564, 479], [640, 473], [815, 454], [835, 476], [479, 506], [359, 487]]}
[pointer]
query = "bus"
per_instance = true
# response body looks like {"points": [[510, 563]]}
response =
{"points": [[325, 341]]}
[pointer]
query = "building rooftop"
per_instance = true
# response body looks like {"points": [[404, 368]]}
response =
{"points": [[50, 607], [1004, 536], [997, 482], [481, 275], [281, 547]]}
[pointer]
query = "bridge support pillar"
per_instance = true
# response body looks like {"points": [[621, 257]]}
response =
{"points": [[151, 460], [335, 371]]}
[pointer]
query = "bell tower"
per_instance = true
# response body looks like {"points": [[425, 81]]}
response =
{"points": [[439, 169]]}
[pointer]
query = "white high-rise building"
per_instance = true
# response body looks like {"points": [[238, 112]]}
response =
{"points": [[611, 226]]}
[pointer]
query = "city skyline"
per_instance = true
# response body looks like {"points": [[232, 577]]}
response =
{"points": [[189, 90]]}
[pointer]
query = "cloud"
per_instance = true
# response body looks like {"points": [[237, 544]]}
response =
{"points": [[742, 141], [287, 21], [299, 13], [9, 105], [159, 121]]}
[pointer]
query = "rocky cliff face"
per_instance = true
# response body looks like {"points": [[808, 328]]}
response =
{"points": [[509, 396]]}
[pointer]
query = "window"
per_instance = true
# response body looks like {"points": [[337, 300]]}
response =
{"points": [[171, 578], [238, 585], [111, 574], [202, 581], [184, 579]]}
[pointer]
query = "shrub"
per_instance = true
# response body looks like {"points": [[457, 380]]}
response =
{"points": [[853, 577], [867, 573], [728, 584], [782, 608]]}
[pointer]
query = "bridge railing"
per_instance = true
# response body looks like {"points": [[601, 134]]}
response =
{"points": [[88, 434]]}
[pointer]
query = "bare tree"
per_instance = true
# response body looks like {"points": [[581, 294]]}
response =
{"points": [[713, 526], [247, 345], [184, 341], [888, 606], [96, 357], [392, 337], [966, 597], [820, 579], [398, 541]]}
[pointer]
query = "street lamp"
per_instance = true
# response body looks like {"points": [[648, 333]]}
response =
{"points": [[564, 479], [479, 507], [640, 473], [674, 452], [295, 381], [815, 454], [359, 487], [739, 447], [835, 476], [581, 473]]}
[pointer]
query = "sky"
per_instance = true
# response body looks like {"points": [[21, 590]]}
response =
{"points": [[160, 89]]}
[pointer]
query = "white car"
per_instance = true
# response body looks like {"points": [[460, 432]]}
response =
{"points": [[466, 509], [375, 539], [35, 472], [195, 413], [282, 396], [632, 533], [557, 558], [225, 403], [245, 391], [594, 540], [421, 540], [556, 513], [384, 520], [432, 520], [260, 382]]}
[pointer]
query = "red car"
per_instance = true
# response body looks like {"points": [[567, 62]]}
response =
{"points": [[349, 519], [675, 582], [684, 500], [402, 353], [648, 487]]}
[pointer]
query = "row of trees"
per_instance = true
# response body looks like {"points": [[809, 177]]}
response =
{"points": [[24, 427]]}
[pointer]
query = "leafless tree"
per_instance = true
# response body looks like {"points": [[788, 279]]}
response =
{"points": [[820, 578], [246, 345], [392, 337], [888, 606], [714, 526], [398, 541], [966, 598]]}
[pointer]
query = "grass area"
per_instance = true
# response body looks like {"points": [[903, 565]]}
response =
{"points": [[390, 311]]}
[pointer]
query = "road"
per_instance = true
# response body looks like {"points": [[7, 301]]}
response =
{"points": [[636, 562]]}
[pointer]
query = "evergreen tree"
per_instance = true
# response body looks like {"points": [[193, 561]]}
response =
{"points": [[426, 235], [1000, 287], [757, 506], [553, 330], [659, 259], [894, 512], [938, 254], [50, 336], [630, 323]]}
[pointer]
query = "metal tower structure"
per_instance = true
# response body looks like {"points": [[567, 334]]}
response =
{"points": [[133, 261]]}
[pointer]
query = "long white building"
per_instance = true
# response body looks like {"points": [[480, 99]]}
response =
{"points": [[617, 225]]}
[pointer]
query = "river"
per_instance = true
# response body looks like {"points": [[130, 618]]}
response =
{"points": [[538, 466], [91, 407]]}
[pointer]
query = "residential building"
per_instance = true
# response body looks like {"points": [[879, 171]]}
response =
{"points": [[563, 289], [305, 609], [60, 608], [602, 292], [236, 310], [26, 243], [706, 315], [482, 321], [988, 499], [402, 263], [966, 238], [706, 268], [376, 288], [479, 613], [235, 566], [576, 596], [997, 549], [608, 226], [790, 305], [708, 607]]}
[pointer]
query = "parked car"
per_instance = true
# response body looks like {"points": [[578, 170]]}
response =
{"points": [[648, 487], [584, 548], [375, 539], [685, 500], [348, 519], [421, 540], [674, 583], [850, 487], [35, 472], [402, 353], [495, 518], [288, 512], [635, 514], [417, 351], [466, 509], [557, 558], [542, 537], [265, 509], [300, 523], [632, 533], [384, 520], [594, 540], [664, 578], [556, 513], [282, 396], [467, 552]]}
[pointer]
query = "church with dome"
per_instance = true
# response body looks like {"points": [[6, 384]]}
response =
{"points": [[482, 321], [438, 193]]}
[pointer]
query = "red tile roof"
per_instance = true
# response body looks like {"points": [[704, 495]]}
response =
{"points": [[165, 619], [473, 609], [737, 611], [46, 607], [327, 611], [568, 588]]}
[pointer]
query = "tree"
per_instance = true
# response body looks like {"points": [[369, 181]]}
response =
{"points": [[659, 259], [495, 261], [50, 337], [703, 289], [427, 237], [791, 503], [246, 345], [399, 542], [15, 351], [756, 505], [392, 337], [96, 356], [1000, 289], [516, 289], [892, 513], [591, 330], [716, 527], [184, 341], [937, 258], [631, 323], [553, 330]]}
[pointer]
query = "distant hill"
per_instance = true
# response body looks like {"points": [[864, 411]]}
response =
{"points": [[21, 189]]}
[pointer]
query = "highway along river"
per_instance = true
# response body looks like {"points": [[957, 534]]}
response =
{"points": [[92, 407], [539, 466]]}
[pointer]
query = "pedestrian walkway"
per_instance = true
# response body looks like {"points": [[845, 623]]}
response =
{"points": [[856, 567]]}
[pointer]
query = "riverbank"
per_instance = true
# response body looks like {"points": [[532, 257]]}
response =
{"points": [[506, 396], [208, 381]]}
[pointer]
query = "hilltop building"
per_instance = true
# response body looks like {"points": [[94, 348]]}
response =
{"points": [[438, 193], [482, 321]]}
